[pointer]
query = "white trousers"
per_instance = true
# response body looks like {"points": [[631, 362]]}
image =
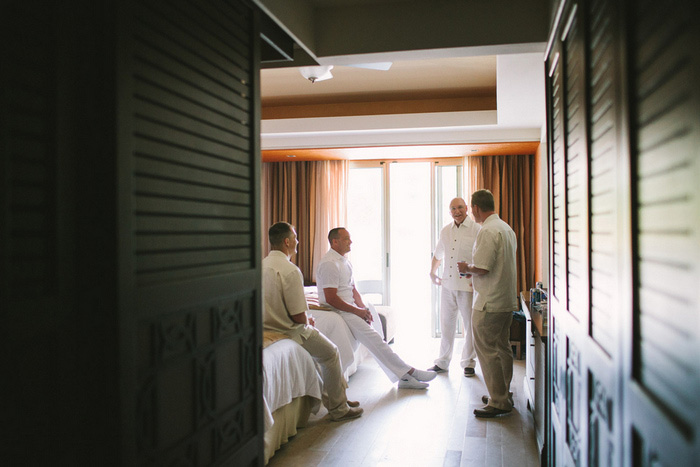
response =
{"points": [[371, 338], [451, 303], [492, 339], [325, 354]]}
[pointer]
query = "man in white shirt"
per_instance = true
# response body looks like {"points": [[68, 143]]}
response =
{"points": [[495, 299], [336, 288], [455, 244], [285, 311]]}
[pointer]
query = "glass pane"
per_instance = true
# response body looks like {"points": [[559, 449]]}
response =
{"points": [[365, 226], [410, 245]]}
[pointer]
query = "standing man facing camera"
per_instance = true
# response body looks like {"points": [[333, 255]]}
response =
{"points": [[455, 244]]}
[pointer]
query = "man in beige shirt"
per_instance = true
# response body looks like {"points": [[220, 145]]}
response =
{"points": [[285, 311], [495, 299]]}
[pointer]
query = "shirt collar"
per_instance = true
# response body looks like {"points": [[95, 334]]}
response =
{"points": [[336, 255], [278, 254], [491, 218], [463, 224]]}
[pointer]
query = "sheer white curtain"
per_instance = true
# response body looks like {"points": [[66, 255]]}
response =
{"points": [[331, 204]]}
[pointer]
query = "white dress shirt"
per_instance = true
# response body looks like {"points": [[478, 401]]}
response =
{"points": [[455, 244]]}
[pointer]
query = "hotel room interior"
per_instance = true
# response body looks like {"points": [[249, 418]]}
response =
{"points": [[147, 146]]}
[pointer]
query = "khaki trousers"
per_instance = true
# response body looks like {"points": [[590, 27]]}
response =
{"points": [[492, 342], [325, 354]]}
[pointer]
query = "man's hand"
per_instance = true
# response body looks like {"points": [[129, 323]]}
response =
{"points": [[463, 267], [435, 279], [365, 314], [311, 320]]}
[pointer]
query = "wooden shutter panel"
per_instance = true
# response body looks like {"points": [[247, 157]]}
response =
{"points": [[664, 95], [190, 191], [192, 165]]}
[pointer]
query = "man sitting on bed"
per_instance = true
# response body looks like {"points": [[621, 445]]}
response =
{"points": [[284, 311], [336, 288]]}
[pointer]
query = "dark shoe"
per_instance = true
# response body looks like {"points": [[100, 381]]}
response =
{"points": [[437, 369], [485, 399], [469, 372], [353, 404], [352, 413], [489, 412]]}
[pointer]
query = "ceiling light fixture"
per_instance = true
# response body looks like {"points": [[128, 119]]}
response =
{"points": [[316, 73]]}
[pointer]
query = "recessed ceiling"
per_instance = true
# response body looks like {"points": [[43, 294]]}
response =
{"points": [[419, 79]]}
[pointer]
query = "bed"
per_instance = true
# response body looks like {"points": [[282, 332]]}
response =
{"points": [[291, 389]]}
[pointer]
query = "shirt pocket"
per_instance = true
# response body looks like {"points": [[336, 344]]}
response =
{"points": [[464, 252]]}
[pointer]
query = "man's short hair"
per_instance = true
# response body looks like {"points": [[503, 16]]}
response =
{"points": [[484, 200], [334, 234], [278, 232]]}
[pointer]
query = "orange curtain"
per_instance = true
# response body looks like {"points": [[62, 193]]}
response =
{"points": [[311, 195], [511, 180]]}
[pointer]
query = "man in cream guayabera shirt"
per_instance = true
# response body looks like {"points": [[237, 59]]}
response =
{"points": [[495, 298], [455, 244], [284, 311]]}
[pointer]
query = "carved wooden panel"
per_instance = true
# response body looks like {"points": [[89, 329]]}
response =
{"points": [[197, 397], [601, 435], [573, 398]]}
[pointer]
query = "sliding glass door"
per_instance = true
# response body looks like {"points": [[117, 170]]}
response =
{"points": [[395, 212]]}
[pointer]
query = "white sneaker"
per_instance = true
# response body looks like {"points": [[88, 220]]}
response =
{"points": [[409, 382], [422, 375]]}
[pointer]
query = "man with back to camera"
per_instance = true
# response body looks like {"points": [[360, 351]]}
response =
{"points": [[455, 244], [285, 311], [336, 288], [494, 275]]}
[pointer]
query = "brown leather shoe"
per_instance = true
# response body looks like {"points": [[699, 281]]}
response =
{"points": [[354, 412], [469, 372], [490, 412], [353, 403]]}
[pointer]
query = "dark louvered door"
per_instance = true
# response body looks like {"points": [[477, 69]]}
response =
{"points": [[189, 186], [623, 136], [663, 396], [131, 323]]}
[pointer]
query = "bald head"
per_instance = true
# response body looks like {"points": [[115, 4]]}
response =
{"points": [[458, 210]]}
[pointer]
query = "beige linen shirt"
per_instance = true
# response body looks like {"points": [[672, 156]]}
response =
{"points": [[494, 250], [455, 244], [283, 296]]}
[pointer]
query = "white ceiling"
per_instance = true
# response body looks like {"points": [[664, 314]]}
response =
{"points": [[442, 77], [512, 71]]}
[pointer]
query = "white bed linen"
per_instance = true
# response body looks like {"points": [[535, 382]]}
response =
{"points": [[334, 328], [288, 372]]}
